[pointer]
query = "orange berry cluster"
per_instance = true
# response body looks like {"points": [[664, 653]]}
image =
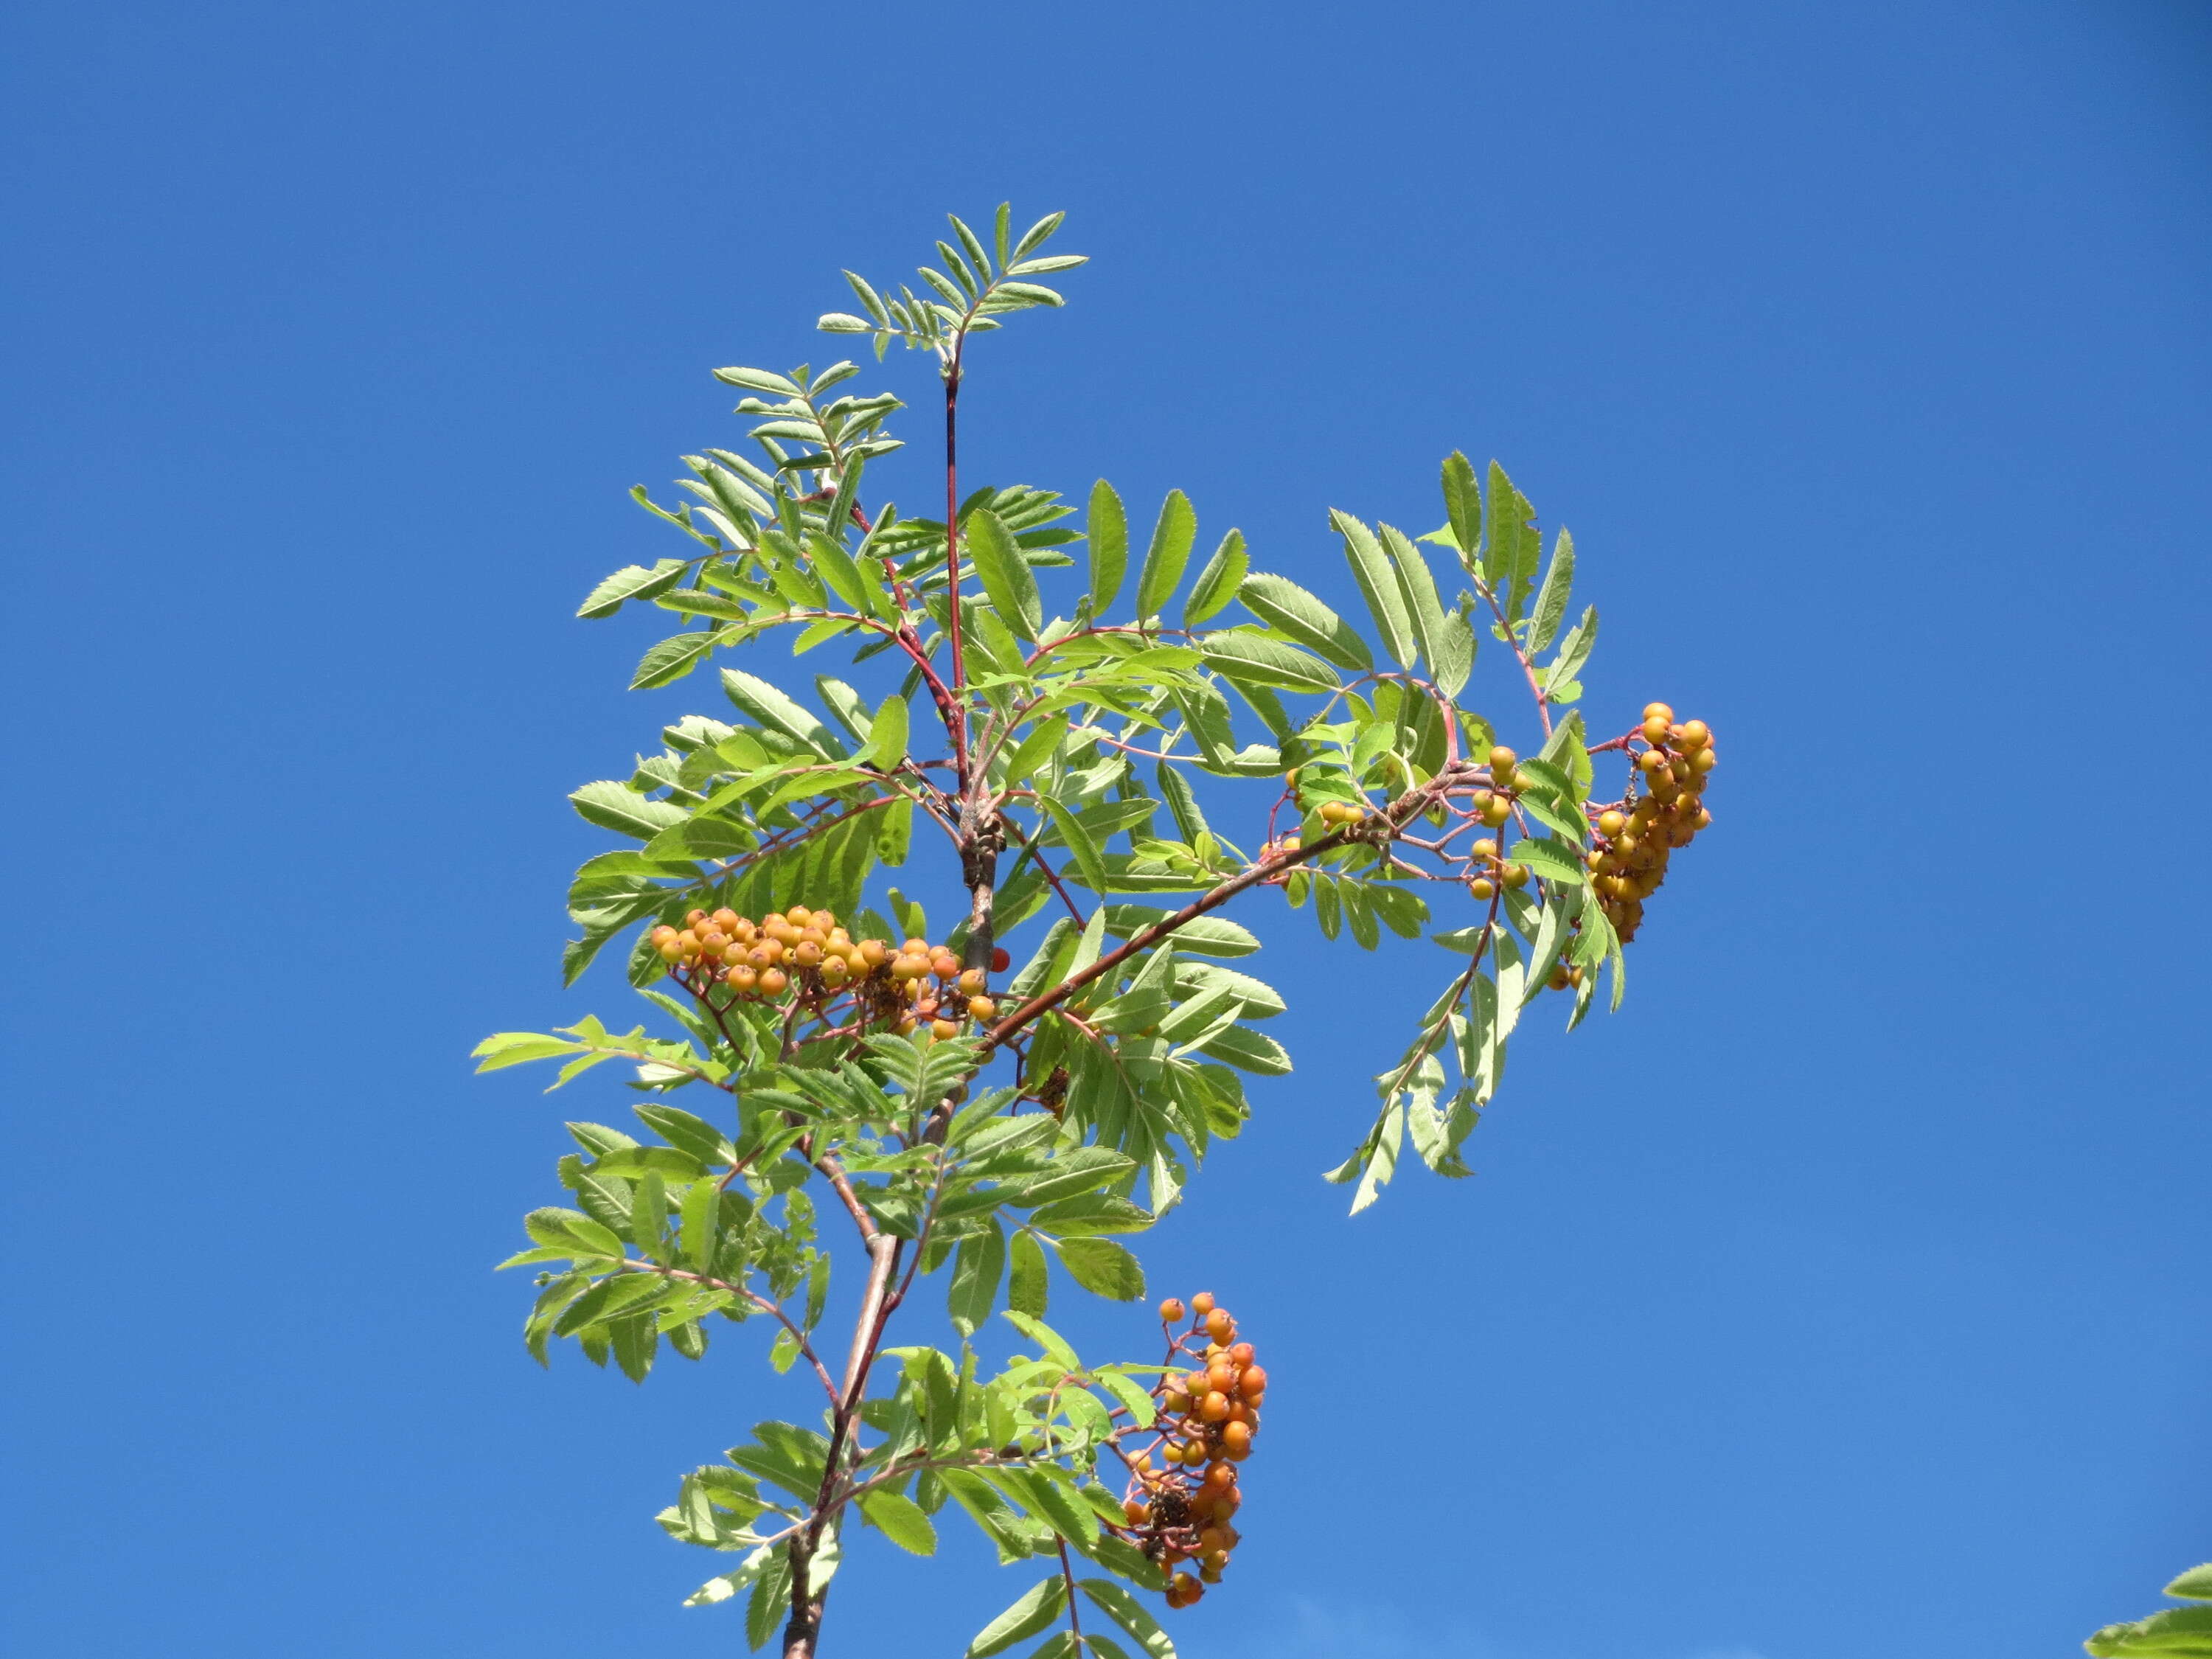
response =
{"points": [[1628, 862], [1208, 1417], [809, 952]]}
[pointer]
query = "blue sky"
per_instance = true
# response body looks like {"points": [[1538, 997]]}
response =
{"points": [[1845, 1294]]}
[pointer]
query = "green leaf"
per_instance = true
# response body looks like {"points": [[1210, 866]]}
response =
{"points": [[1079, 843], [1027, 1284], [722, 1588], [1035, 750], [1219, 583], [1255, 658], [1446, 638], [1172, 536], [1552, 597], [976, 1270], [2195, 1585], [1103, 1267], [1036, 1609], [772, 709], [2176, 1633], [673, 658], [617, 807], [1182, 803], [1250, 1051], [1108, 534], [1125, 1610], [839, 573], [887, 734], [1378, 584], [1463, 501], [900, 1520], [1510, 542], [1006, 576], [1045, 1337], [505, 1049], [1551, 859], [632, 582], [1283, 605]]}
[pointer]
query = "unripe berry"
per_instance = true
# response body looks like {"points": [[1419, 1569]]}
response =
{"points": [[1497, 812], [1482, 887], [1695, 735], [1611, 823], [1485, 848], [972, 981], [982, 1008], [874, 953], [1516, 876], [1185, 1590], [1501, 763], [944, 1028], [1175, 1400], [1210, 1564], [1137, 1510], [1655, 729], [1703, 761], [799, 915], [1662, 711]]}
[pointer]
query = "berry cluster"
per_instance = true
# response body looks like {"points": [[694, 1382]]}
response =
{"points": [[807, 953], [1628, 862], [1208, 1417]]}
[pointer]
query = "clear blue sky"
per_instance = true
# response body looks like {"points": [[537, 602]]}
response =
{"points": [[1846, 1296]]}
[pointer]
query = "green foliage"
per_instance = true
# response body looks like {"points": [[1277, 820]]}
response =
{"points": [[1072, 739], [2183, 1632]]}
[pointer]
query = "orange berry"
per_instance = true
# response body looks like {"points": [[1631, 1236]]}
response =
{"points": [[1172, 1311], [1202, 1304], [874, 953], [1137, 1510], [1695, 735], [1236, 1441], [1221, 1375], [1611, 823], [1655, 729], [1219, 1326], [1255, 1380], [1240, 1354], [944, 1028], [1219, 1477], [982, 1008], [773, 981], [1214, 1408]]}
